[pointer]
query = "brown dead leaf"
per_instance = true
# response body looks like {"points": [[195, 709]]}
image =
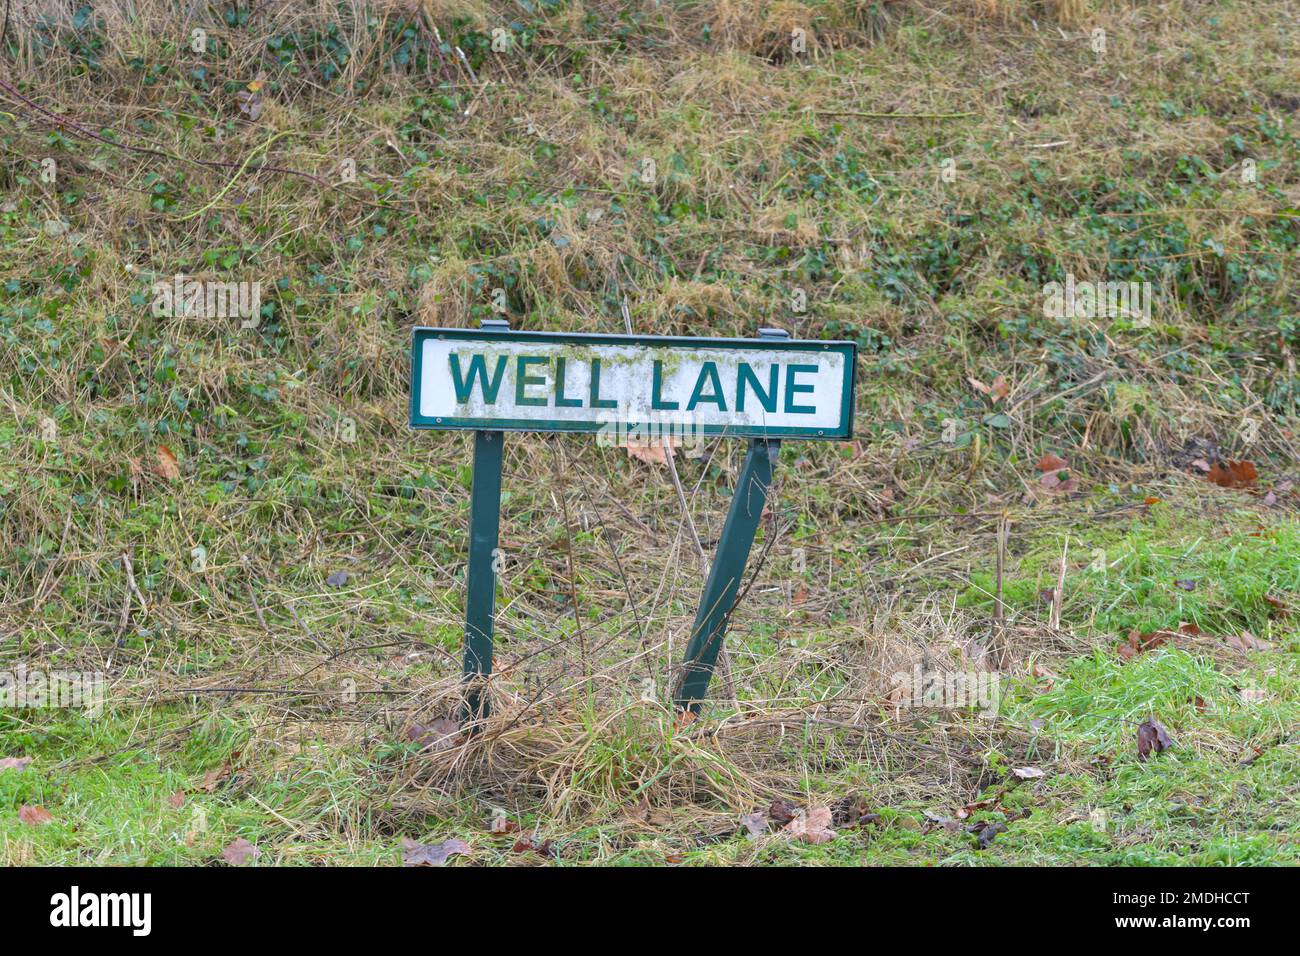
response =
{"points": [[1058, 481], [14, 763], [177, 800], [432, 854], [970, 808], [996, 392], [213, 778], [1246, 641], [250, 103], [1152, 738], [800, 594], [165, 466], [440, 735], [1277, 604], [1232, 474], [652, 452], [528, 844], [1051, 462], [812, 827], [782, 811], [1140, 643], [240, 852], [34, 816]]}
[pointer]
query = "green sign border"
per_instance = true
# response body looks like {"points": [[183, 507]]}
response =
{"points": [[420, 333]]}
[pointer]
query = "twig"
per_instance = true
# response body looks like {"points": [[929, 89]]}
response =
{"points": [[999, 608], [252, 596], [891, 115], [131, 589], [1059, 596], [568, 554]]}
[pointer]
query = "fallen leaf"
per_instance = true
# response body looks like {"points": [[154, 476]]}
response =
{"points": [[1058, 481], [755, 823], [530, 845], [1277, 604], [14, 763], [985, 832], [1152, 738], [1252, 695], [166, 466], [177, 800], [1139, 642], [440, 735], [812, 827], [1186, 584], [996, 392], [501, 823], [212, 779], [34, 816], [337, 579], [1232, 474], [966, 811], [1027, 773], [250, 103], [1050, 462], [240, 852], [652, 452], [1246, 641], [800, 594], [781, 811], [431, 854]]}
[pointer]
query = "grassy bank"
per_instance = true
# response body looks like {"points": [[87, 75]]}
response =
{"points": [[230, 520]]}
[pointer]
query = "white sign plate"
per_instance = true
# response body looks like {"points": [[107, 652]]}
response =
{"points": [[575, 382]]}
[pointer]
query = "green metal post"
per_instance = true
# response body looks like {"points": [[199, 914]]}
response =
{"points": [[714, 614], [481, 574]]}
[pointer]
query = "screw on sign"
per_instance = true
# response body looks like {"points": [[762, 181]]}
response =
{"points": [[493, 380]]}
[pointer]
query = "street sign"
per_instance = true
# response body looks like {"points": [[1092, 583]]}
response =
{"points": [[492, 380], [575, 382]]}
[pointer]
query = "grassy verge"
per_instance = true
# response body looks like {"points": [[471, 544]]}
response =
{"points": [[231, 522]]}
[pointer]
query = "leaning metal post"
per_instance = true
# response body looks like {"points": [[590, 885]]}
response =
{"points": [[481, 574], [716, 604]]}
